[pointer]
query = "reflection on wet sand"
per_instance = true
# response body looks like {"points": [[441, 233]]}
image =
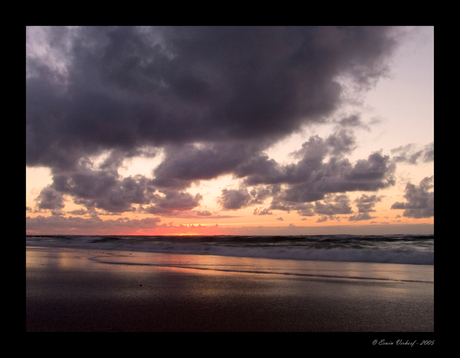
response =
{"points": [[81, 290]]}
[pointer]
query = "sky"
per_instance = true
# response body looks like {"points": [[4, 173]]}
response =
{"points": [[229, 130]]}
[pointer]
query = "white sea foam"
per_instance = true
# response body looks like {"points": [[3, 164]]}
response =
{"points": [[384, 249]]}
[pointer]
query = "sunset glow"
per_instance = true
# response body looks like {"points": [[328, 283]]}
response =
{"points": [[229, 131]]}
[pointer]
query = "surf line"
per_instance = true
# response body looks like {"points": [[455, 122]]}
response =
{"points": [[178, 266]]}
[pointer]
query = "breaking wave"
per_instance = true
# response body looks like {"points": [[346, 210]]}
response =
{"points": [[403, 249]]}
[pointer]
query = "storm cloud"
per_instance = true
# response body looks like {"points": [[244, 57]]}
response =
{"points": [[185, 164], [212, 99], [365, 204], [122, 87], [261, 170], [419, 200], [321, 170], [234, 199], [339, 204], [50, 198], [103, 189]]}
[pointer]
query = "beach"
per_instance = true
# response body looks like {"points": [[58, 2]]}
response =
{"points": [[80, 290]]}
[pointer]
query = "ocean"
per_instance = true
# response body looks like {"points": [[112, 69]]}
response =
{"points": [[381, 257]]}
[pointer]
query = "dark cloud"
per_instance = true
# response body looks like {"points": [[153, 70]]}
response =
{"points": [[373, 173], [331, 206], [338, 204], [174, 200], [188, 163], [101, 189], [303, 209], [321, 170], [361, 216], [260, 193], [410, 155], [350, 121], [339, 176], [261, 170], [78, 212], [50, 199], [353, 121], [264, 211], [365, 204], [213, 98], [341, 143], [419, 200], [122, 87], [172, 203], [234, 199], [428, 153]]}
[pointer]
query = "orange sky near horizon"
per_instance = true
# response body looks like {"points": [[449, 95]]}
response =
{"points": [[396, 118]]}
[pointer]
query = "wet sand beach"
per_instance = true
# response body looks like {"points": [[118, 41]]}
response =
{"points": [[76, 290]]}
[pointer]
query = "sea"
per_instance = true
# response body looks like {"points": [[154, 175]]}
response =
{"points": [[381, 257]]}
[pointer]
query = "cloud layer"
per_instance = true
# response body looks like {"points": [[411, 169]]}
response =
{"points": [[419, 200], [95, 88], [212, 100]]}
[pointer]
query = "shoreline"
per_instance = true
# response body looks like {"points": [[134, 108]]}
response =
{"points": [[66, 291]]}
